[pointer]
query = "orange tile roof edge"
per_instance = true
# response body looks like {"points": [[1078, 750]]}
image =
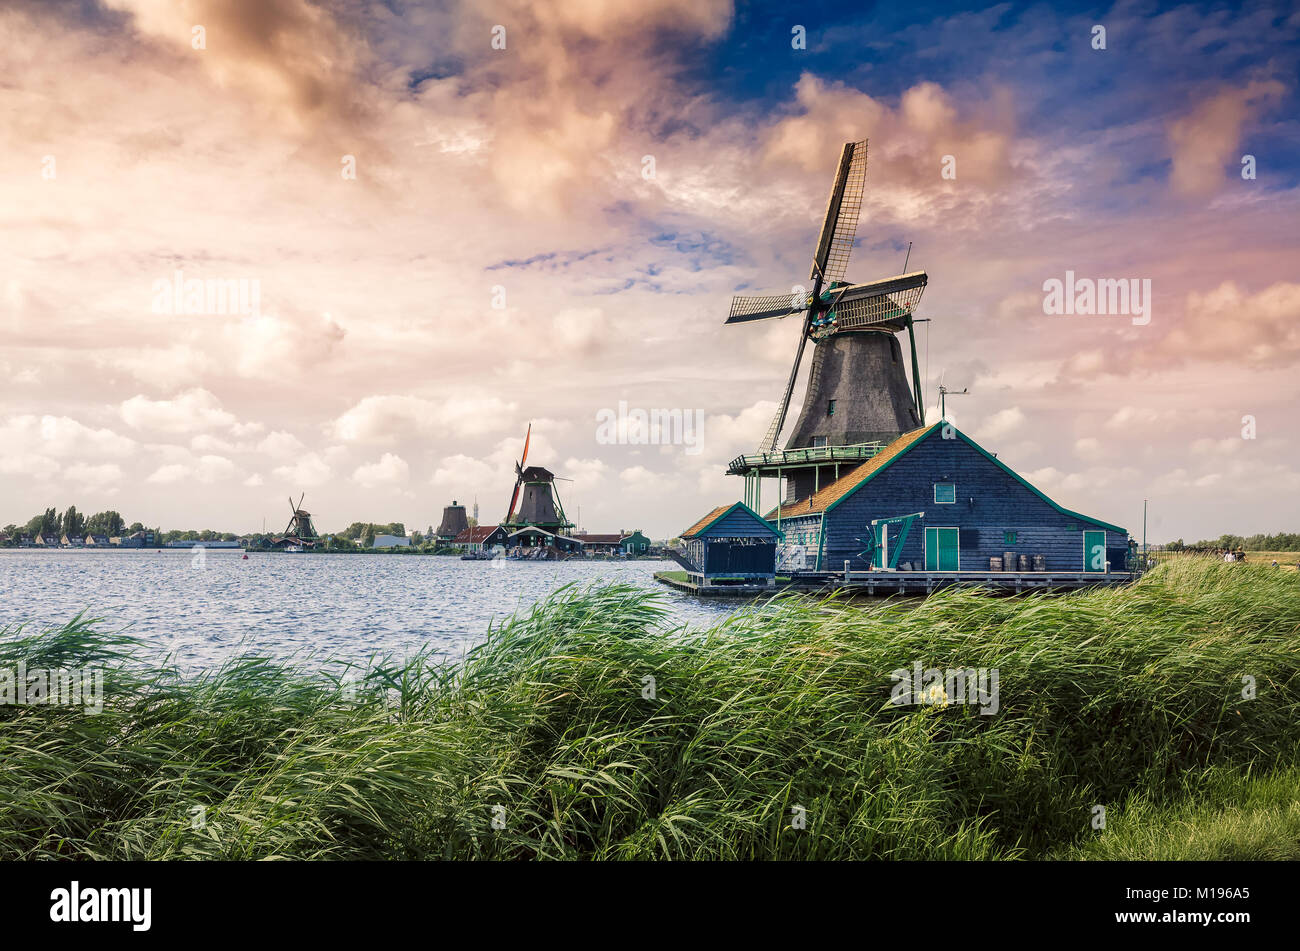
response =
{"points": [[704, 522], [832, 493]]}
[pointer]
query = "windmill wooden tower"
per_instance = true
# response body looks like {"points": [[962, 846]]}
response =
{"points": [[300, 527], [453, 521], [858, 397], [535, 495]]}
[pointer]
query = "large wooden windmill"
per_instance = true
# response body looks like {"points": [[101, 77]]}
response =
{"points": [[534, 494], [858, 396], [300, 526]]}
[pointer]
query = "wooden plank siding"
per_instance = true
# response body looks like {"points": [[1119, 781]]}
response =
{"points": [[989, 501]]}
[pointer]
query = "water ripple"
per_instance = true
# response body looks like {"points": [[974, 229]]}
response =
{"points": [[341, 606]]}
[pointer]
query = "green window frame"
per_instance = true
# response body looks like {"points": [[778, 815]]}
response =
{"points": [[830, 407], [948, 495], [1008, 538]]}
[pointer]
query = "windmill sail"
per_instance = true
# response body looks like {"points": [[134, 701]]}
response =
{"points": [[519, 473], [840, 226], [879, 302], [300, 525], [761, 308], [778, 421]]}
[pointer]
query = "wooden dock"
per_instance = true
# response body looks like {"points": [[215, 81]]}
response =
{"points": [[883, 583], [721, 590], [923, 582]]}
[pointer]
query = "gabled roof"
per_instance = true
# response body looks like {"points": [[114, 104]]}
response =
{"points": [[719, 513], [705, 522], [846, 485], [830, 494], [589, 539], [474, 534]]}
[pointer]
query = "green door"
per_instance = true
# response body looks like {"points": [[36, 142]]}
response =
{"points": [[941, 549], [1094, 551]]}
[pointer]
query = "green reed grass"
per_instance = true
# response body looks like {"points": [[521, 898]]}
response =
{"points": [[1120, 697]]}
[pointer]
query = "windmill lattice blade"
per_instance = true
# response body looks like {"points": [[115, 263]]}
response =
{"points": [[880, 302], [774, 431], [761, 308], [840, 226], [527, 438], [514, 497]]}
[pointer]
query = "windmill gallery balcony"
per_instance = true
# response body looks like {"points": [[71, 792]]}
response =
{"points": [[774, 463], [814, 465]]}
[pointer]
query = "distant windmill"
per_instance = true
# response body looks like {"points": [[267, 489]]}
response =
{"points": [[858, 391], [300, 521], [534, 493], [453, 521]]}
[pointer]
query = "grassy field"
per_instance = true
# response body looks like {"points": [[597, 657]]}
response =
{"points": [[584, 729], [1285, 559]]}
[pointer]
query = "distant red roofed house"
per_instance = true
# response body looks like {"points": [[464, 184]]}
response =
{"points": [[600, 544], [480, 537]]}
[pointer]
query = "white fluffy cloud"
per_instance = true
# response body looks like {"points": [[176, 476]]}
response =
{"points": [[61, 437], [103, 476], [280, 445], [1000, 424], [203, 469], [391, 469], [307, 470], [391, 417], [191, 411]]}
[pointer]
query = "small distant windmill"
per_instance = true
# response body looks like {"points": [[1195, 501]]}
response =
{"points": [[857, 391], [299, 526], [534, 493]]}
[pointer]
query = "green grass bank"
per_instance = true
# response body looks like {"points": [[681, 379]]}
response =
{"points": [[770, 735]]}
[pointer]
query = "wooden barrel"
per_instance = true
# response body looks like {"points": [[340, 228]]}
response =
{"points": [[1040, 562], [1024, 562], [1008, 561], [995, 563]]}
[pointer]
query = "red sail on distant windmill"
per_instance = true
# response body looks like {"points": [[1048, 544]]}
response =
{"points": [[519, 473]]}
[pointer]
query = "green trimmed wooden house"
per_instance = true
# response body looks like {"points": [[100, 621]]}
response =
{"points": [[634, 543], [935, 500]]}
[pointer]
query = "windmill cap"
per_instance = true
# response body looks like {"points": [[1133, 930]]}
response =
{"points": [[538, 474]]}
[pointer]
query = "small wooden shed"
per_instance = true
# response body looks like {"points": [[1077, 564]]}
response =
{"points": [[732, 545]]}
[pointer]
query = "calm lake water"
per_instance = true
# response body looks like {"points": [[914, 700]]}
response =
{"points": [[283, 605]]}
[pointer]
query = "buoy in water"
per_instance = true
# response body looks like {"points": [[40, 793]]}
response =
{"points": [[245, 556]]}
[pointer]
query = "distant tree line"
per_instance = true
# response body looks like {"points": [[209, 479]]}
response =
{"points": [[1283, 541], [53, 524], [204, 535], [72, 523], [365, 532]]}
